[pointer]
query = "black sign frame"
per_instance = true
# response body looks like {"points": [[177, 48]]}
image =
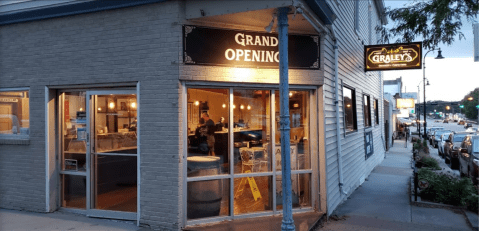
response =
{"points": [[414, 46], [207, 46]]}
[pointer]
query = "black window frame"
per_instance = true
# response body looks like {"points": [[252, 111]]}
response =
{"points": [[354, 110], [376, 111], [367, 109]]}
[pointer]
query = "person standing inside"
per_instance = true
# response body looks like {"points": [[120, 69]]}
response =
{"points": [[210, 125]]}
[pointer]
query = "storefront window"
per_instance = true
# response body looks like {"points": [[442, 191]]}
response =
{"points": [[208, 118], [74, 132], [299, 140], [208, 198], [301, 191], [213, 164], [14, 114], [252, 194], [349, 104], [251, 114]]}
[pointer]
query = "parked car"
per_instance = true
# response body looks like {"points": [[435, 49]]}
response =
{"points": [[461, 122], [442, 142], [436, 138], [446, 121], [468, 125], [452, 148], [429, 132], [469, 158]]}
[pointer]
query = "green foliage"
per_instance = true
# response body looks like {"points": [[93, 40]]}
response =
{"points": [[470, 106], [436, 21], [421, 145], [446, 190], [472, 203], [430, 162]]}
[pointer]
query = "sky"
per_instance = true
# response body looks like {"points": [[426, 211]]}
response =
{"points": [[451, 78]]}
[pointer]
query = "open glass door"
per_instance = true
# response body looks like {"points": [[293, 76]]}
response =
{"points": [[112, 143]]}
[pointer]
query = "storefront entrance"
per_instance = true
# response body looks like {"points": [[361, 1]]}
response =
{"points": [[99, 152]]}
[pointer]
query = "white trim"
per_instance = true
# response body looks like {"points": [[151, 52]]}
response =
{"points": [[63, 172], [138, 171], [184, 110], [18, 89], [47, 161], [30, 5], [273, 143], [264, 86], [211, 177], [111, 214], [231, 151]]}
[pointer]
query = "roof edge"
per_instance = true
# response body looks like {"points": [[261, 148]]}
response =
{"points": [[71, 9]]}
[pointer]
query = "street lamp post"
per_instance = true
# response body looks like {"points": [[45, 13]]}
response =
{"points": [[419, 106], [439, 56]]}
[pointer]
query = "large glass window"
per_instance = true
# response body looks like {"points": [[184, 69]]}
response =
{"points": [[234, 151], [349, 104], [367, 111], [14, 114]]}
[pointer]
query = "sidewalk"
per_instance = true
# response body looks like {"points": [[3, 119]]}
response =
{"points": [[382, 202], [13, 220]]}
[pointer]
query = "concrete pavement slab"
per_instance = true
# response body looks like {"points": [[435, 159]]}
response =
{"points": [[20, 220], [363, 223], [439, 216]]}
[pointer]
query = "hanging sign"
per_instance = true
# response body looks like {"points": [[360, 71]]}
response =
{"points": [[401, 56], [219, 47]]}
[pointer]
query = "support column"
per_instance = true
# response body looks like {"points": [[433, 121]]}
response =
{"points": [[287, 223]]}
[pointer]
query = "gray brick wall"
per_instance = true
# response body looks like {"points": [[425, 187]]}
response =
{"points": [[137, 44]]}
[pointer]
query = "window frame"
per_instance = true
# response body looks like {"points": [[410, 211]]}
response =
{"points": [[231, 175], [368, 110], [354, 105], [14, 138], [376, 111]]}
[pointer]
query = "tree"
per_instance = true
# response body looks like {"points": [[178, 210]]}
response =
{"points": [[470, 109], [436, 21]]}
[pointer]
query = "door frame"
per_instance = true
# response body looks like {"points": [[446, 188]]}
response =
{"points": [[91, 212]]}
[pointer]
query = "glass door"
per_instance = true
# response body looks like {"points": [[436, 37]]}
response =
{"points": [[112, 146]]}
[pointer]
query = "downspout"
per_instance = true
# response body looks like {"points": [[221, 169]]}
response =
{"points": [[336, 105]]}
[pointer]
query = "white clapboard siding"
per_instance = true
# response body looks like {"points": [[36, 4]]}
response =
{"points": [[351, 72]]}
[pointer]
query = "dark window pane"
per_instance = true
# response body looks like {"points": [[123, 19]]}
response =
{"points": [[366, 111]]}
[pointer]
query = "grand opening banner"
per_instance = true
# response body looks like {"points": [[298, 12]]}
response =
{"points": [[219, 47], [401, 56]]}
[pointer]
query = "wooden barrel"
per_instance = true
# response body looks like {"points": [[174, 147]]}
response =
{"points": [[204, 197]]}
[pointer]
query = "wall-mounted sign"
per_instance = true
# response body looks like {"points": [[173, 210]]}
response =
{"points": [[399, 56], [405, 103], [219, 47]]}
